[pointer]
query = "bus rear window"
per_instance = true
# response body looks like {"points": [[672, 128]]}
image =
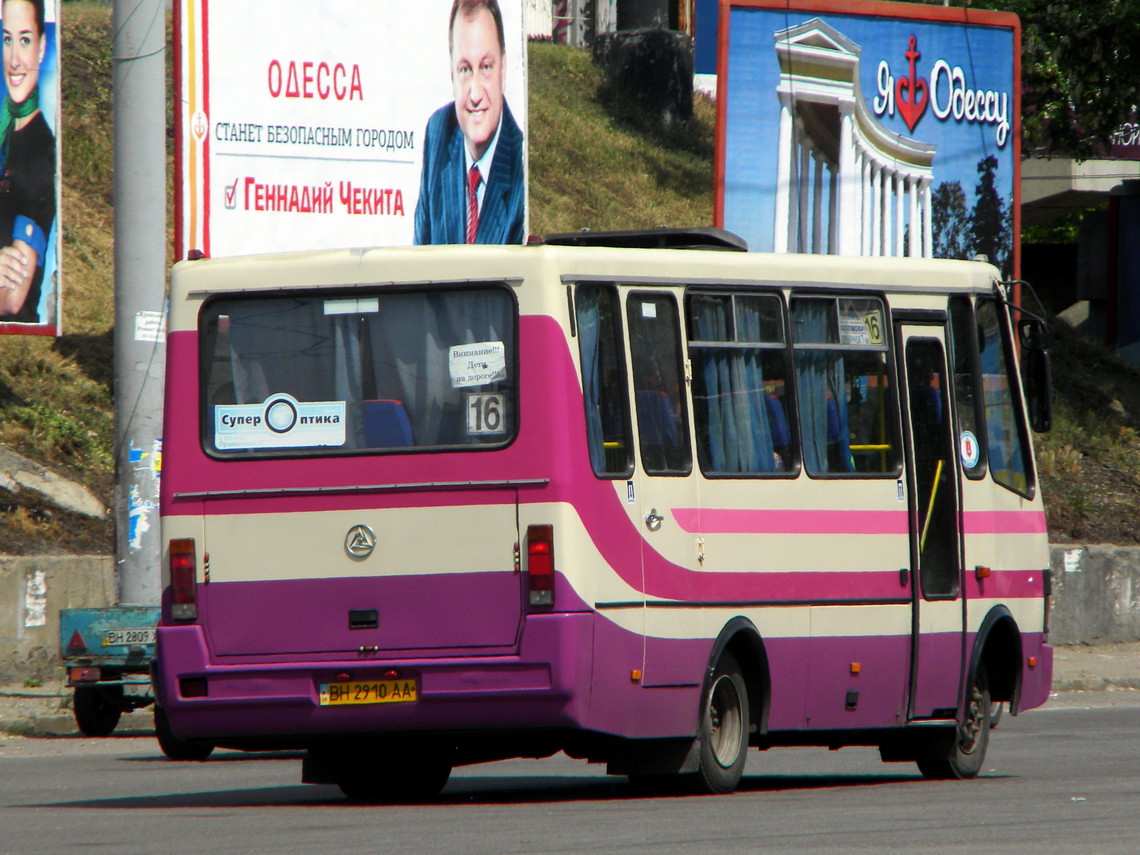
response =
{"points": [[316, 374]]}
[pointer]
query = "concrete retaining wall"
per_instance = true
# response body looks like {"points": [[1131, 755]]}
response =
{"points": [[1096, 600], [32, 591], [1096, 594]]}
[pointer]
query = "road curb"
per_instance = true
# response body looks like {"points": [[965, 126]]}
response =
{"points": [[1096, 684], [39, 726]]}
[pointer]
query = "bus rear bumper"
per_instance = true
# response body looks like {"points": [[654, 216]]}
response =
{"points": [[537, 688]]}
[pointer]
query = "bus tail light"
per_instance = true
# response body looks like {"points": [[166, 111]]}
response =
{"points": [[183, 581], [540, 564]]}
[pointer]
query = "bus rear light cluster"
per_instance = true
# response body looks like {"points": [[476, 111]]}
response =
{"points": [[540, 564], [183, 579]]}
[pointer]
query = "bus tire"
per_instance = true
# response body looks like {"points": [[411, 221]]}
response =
{"points": [[97, 709], [175, 748], [995, 713], [375, 778], [960, 753], [723, 730]]}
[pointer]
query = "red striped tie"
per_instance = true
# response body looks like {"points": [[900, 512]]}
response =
{"points": [[473, 179]]}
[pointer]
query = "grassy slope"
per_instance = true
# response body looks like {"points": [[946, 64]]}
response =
{"points": [[55, 395], [593, 164], [589, 169], [1090, 461]]}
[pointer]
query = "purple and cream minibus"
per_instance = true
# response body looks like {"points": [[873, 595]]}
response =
{"points": [[640, 498]]}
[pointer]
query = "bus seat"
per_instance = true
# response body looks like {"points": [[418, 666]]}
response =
{"points": [[386, 424], [926, 406], [777, 421], [833, 433]]}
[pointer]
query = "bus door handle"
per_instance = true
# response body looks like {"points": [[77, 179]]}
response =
{"points": [[653, 520]]}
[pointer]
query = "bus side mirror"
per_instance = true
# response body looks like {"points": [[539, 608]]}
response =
{"points": [[1033, 334], [1039, 389], [1034, 338]]}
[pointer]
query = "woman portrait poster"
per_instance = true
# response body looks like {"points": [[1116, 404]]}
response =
{"points": [[28, 165]]}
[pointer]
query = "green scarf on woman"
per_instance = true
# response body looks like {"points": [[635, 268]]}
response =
{"points": [[10, 113]]}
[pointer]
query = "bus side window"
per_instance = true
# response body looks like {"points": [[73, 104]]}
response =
{"points": [[1007, 442], [967, 401], [739, 382], [655, 348], [846, 409], [604, 380]]}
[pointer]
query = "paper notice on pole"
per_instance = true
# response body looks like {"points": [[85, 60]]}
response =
{"points": [[35, 599], [150, 326]]}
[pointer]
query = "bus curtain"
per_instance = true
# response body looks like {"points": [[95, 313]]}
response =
{"points": [[739, 435], [821, 385]]}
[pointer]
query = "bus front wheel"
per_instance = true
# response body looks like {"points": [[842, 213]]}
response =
{"points": [[723, 729], [961, 752]]}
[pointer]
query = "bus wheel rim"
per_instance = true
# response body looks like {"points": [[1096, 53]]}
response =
{"points": [[725, 723]]}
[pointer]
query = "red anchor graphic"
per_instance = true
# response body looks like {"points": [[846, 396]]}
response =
{"points": [[913, 106]]}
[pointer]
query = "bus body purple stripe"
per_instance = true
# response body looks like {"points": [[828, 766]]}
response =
{"points": [[553, 679], [571, 481]]}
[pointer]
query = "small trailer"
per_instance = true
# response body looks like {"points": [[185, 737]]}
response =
{"points": [[107, 654]]}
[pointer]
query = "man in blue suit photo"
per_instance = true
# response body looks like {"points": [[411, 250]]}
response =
{"points": [[472, 183]]}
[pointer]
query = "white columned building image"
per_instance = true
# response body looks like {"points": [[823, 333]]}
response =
{"points": [[845, 184]]}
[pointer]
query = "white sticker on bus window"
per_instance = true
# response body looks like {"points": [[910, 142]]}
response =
{"points": [[477, 364], [969, 449], [648, 310], [280, 421], [352, 306], [857, 327], [486, 414]]}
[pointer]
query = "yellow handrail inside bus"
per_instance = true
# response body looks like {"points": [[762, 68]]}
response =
{"points": [[930, 505]]}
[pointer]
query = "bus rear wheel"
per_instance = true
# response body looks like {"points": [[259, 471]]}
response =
{"points": [[376, 776], [723, 729], [961, 752], [175, 748]]}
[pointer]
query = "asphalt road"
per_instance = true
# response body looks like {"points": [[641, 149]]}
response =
{"points": [[1062, 779]]}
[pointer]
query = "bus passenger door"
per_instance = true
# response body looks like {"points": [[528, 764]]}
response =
{"points": [[662, 483], [938, 647]]}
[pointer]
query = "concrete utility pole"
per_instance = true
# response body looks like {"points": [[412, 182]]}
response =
{"points": [[138, 55]]}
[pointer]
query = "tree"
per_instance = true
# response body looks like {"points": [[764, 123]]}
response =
{"points": [[1080, 71], [990, 229], [949, 220]]}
